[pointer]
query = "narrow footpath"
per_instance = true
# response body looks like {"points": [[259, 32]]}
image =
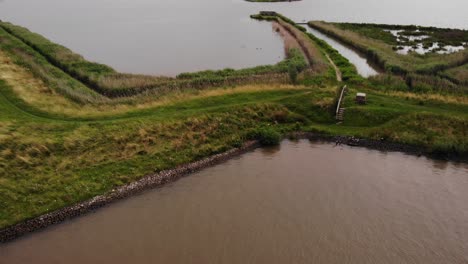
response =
{"points": [[337, 70]]}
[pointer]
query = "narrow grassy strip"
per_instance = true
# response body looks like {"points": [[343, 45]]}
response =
{"points": [[458, 75], [58, 55], [14, 51], [347, 69], [294, 57]]}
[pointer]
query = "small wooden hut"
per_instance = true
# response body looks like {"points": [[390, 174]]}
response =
{"points": [[361, 98]]}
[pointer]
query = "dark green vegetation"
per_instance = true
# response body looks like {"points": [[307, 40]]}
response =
{"points": [[294, 60], [63, 141], [431, 71], [267, 136], [443, 36]]}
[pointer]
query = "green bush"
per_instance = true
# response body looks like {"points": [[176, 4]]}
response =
{"points": [[292, 71], [266, 136]]}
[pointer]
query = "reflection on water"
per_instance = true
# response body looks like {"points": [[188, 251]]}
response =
{"points": [[271, 151], [304, 203], [169, 37], [152, 37]]}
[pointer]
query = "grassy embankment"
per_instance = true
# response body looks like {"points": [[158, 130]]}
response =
{"points": [[458, 75], [347, 70], [421, 72], [53, 158], [32, 50]]}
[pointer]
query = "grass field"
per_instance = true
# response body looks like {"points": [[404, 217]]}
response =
{"points": [[62, 142]]}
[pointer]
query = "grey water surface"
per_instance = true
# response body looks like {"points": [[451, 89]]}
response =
{"points": [[169, 37]]}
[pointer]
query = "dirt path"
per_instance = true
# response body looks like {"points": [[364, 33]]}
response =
{"points": [[292, 41], [337, 71]]}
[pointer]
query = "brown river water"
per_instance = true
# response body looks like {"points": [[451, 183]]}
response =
{"points": [[302, 202], [169, 37]]}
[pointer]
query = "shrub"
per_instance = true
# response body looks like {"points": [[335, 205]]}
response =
{"points": [[266, 136], [292, 71]]}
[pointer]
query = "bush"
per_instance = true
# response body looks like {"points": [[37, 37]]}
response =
{"points": [[292, 71], [266, 136]]}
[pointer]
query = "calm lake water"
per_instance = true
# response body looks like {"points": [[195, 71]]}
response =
{"points": [[302, 202], [169, 37]]}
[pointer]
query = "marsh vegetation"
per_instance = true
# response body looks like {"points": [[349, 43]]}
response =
{"points": [[422, 72]]}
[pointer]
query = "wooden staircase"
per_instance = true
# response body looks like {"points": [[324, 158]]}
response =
{"points": [[339, 108], [340, 114]]}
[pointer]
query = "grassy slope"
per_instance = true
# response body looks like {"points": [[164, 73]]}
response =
{"points": [[50, 160], [20, 53], [46, 163], [312, 44], [458, 74]]}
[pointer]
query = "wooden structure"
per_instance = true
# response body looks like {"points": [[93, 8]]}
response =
{"points": [[339, 109], [361, 98]]}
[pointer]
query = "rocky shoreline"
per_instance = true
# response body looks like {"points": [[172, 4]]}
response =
{"points": [[145, 183], [384, 145], [166, 176]]}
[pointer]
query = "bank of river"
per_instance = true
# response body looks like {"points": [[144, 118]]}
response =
{"points": [[301, 202], [169, 37], [363, 67]]}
